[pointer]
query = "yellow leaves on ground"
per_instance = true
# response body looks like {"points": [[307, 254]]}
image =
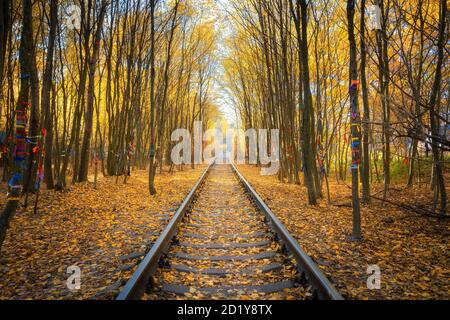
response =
{"points": [[411, 250], [87, 227], [222, 210]]}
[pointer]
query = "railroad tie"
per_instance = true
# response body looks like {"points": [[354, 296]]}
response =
{"points": [[226, 290], [223, 272], [221, 243], [259, 256]]}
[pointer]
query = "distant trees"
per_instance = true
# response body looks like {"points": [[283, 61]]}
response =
{"points": [[269, 75], [104, 92], [89, 113], [5, 33], [288, 69]]}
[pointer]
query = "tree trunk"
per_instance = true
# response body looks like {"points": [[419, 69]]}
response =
{"points": [[300, 16], [5, 28], [434, 120], [152, 168], [355, 120], [366, 112], [26, 57], [46, 89]]}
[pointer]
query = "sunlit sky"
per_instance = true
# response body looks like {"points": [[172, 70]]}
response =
{"points": [[223, 98]]}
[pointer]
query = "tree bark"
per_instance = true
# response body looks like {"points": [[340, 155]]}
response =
{"points": [[355, 121], [434, 120], [46, 89], [26, 57], [365, 169], [152, 168], [307, 146], [5, 29]]}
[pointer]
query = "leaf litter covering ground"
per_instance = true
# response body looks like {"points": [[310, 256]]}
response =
{"points": [[411, 250], [90, 228], [224, 215]]}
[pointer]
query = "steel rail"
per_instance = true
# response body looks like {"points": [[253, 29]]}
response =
{"points": [[325, 290], [136, 286]]}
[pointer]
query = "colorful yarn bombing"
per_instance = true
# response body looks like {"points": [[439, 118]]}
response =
{"points": [[36, 149], [354, 85], [19, 152], [40, 178], [15, 184], [405, 162]]}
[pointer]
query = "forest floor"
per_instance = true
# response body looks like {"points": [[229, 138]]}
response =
{"points": [[411, 249], [94, 229]]}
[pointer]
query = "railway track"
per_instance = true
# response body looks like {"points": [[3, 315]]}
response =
{"points": [[224, 242]]}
